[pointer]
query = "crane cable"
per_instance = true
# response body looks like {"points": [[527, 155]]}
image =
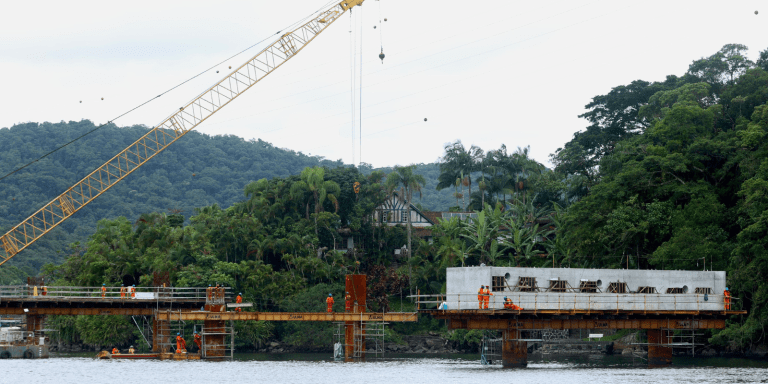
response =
{"points": [[161, 94]]}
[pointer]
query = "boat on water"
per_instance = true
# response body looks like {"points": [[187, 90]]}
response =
{"points": [[148, 356], [18, 343]]}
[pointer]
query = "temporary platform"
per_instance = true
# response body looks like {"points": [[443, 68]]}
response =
{"points": [[163, 311], [660, 302]]}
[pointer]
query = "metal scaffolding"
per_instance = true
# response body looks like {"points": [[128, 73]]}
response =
{"points": [[367, 339], [490, 348]]}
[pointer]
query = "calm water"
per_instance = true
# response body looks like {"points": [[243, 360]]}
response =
{"points": [[311, 369]]}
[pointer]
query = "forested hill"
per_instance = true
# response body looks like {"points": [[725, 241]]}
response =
{"points": [[197, 171]]}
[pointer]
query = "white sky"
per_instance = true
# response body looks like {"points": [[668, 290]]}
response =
{"points": [[485, 72]]}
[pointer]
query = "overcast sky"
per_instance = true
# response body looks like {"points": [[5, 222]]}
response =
{"points": [[484, 72]]}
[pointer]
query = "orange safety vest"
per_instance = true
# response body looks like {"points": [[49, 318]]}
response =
{"points": [[329, 300], [239, 299], [480, 294], [103, 291], [487, 293], [133, 291]]}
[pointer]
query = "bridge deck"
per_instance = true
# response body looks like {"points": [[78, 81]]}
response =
{"points": [[570, 319]]}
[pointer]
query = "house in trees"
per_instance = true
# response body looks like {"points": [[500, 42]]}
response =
{"points": [[394, 212]]}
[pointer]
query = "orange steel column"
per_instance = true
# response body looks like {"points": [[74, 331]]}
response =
{"points": [[514, 354], [659, 356], [356, 285]]}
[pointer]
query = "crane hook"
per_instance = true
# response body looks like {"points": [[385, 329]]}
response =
{"points": [[381, 55]]}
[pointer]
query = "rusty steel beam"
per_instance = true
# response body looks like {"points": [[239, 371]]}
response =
{"points": [[287, 316], [456, 323], [77, 311], [490, 312]]}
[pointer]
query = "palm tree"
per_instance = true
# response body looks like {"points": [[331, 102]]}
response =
{"points": [[313, 182], [409, 183], [458, 162]]}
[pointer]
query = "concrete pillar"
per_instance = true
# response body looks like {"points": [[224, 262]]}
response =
{"points": [[514, 354], [658, 355]]}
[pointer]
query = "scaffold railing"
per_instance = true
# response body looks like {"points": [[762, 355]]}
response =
{"points": [[167, 294]]}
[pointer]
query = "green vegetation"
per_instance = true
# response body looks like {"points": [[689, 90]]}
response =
{"points": [[668, 175]]}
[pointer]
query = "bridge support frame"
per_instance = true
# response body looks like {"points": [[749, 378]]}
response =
{"points": [[659, 355], [514, 352]]}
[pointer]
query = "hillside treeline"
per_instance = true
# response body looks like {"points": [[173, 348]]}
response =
{"points": [[197, 171]]}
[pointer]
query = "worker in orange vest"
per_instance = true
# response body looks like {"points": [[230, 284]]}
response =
{"points": [[133, 291], [727, 299], [131, 350], [239, 300], [487, 297], [329, 301], [198, 340], [347, 302], [480, 297], [181, 345], [45, 290], [103, 290], [115, 350], [122, 291]]}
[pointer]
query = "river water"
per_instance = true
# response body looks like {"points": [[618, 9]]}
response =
{"points": [[315, 368]]}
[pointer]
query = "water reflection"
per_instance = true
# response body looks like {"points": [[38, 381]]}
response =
{"points": [[441, 369]]}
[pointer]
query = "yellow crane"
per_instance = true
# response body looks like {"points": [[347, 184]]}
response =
{"points": [[167, 132]]}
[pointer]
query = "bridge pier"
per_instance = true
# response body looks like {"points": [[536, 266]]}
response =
{"points": [[514, 353], [354, 332], [658, 354]]}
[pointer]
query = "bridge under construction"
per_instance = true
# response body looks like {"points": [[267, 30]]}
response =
{"points": [[169, 307], [661, 302]]}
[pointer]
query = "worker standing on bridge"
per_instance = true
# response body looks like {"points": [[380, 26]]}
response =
{"points": [[347, 302], [122, 291], [198, 340], [45, 290], [239, 300], [329, 301], [103, 290], [480, 297], [133, 291], [131, 350], [727, 299], [115, 350], [486, 297], [181, 345]]}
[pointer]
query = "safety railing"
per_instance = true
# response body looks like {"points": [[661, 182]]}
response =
{"points": [[547, 301], [27, 292]]}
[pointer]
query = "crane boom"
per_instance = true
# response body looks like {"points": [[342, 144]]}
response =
{"points": [[167, 132]]}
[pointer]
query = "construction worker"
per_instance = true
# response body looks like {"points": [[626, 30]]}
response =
{"points": [[133, 291], [487, 297], [239, 300], [209, 291], [115, 350], [45, 290], [508, 304], [480, 297], [198, 340], [131, 350], [329, 301], [103, 290], [347, 302], [727, 299], [122, 291], [181, 345]]}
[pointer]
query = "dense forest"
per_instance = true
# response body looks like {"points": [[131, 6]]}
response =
{"points": [[197, 171], [667, 175]]}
